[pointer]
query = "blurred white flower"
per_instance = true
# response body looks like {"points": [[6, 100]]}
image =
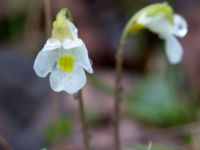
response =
{"points": [[160, 19], [64, 56]]}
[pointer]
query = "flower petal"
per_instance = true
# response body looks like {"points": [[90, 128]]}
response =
{"points": [[143, 18], [51, 44], [69, 44], [83, 58], [174, 50], [69, 82], [75, 81], [180, 26], [73, 29], [44, 62], [79, 50], [57, 80], [157, 24]]}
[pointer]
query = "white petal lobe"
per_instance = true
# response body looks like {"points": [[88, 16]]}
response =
{"points": [[174, 50], [52, 44], [57, 80], [83, 58], [180, 26], [44, 62], [69, 82], [157, 24], [73, 29], [70, 44], [75, 81]]}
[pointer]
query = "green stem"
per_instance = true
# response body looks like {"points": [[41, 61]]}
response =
{"points": [[118, 91], [116, 125], [83, 122]]}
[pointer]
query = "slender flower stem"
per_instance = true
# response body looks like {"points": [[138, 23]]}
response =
{"points": [[116, 125], [48, 21], [83, 122], [118, 91]]}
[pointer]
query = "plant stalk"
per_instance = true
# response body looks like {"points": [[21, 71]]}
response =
{"points": [[118, 91], [48, 21], [83, 121], [116, 125]]}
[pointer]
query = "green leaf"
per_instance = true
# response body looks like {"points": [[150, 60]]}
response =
{"points": [[59, 129], [155, 100], [94, 119]]}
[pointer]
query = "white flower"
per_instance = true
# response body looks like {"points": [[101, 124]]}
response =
{"points": [[65, 57], [159, 18]]}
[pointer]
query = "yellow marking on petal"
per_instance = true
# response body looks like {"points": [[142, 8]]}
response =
{"points": [[136, 27], [151, 11], [66, 63], [156, 9], [61, 28]]}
